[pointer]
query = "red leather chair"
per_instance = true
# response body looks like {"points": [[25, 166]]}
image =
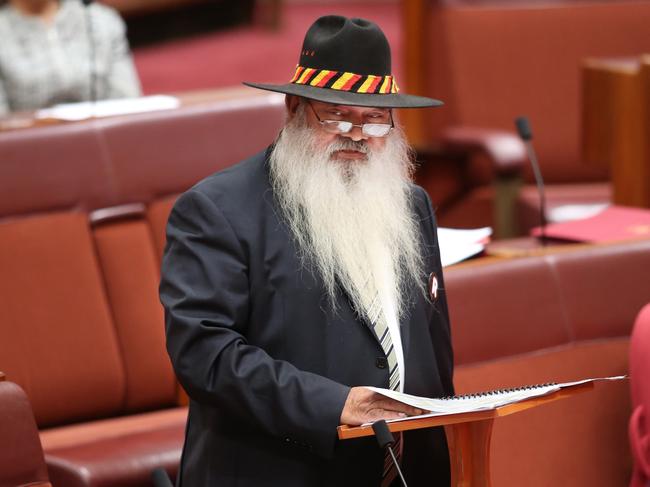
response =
{"points": [[639, 428], [21, 456], [493, 61]]}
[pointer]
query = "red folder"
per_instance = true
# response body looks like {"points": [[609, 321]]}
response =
{"points": [[613, 223]]}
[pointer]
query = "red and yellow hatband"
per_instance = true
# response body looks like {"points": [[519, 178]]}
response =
{"points": [[339, 80]]}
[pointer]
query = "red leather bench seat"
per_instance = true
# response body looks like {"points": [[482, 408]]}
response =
{"points": [[131, 272], [506, 309], [555, 318], [155, 155], [59, 167], [58, 342], [579, 441], [118, 451], [22, 463], [493, 61], [87, 342], [604, 288], [83, 209]]}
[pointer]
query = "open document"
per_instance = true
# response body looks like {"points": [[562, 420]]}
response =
{"points": [[480, 401]]}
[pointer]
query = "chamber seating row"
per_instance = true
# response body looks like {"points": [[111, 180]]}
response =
{"points": [[559, 317], [494, 61], [82, 215]]}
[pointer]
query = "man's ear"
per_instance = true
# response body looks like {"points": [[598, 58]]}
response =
{"points": [[640, 439], [292, 102]]}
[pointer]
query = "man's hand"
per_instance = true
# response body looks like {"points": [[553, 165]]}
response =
{"points": [[366, 406]]}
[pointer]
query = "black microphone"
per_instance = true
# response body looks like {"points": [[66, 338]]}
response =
{"points": [[91, 57], [523, 128], [160, 478], [386, 440]]}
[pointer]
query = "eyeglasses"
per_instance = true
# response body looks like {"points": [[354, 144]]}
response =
{"points": [[345, 127]]}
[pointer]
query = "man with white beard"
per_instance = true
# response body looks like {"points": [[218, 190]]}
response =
{"points": [[297, 277]]}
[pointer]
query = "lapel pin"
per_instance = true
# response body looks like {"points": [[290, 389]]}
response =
{"points": [[433, 287]]}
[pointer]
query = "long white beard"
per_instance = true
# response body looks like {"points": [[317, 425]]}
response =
{"points": [[352, 220]]}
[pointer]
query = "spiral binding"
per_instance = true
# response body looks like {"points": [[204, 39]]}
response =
{"points": [[495, 392]]}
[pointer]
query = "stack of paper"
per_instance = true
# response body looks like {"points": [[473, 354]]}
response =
{"points": [[457, 245], [480, 401]]}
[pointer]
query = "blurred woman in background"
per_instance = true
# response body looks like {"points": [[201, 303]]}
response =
{"points": [[60, 51]]}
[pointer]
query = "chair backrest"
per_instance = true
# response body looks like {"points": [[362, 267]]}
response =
{"points": [[492, 63], [553, 318], [21, 457], [544, 301], [639, 427], [82, 214]]}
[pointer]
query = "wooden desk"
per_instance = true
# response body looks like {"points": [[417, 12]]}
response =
{"points": [[25, 120], [616, 124]]}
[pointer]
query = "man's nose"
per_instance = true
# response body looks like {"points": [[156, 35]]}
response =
{"points": [[356, 134]]}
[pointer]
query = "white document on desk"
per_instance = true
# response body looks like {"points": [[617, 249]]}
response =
{"points": [[72, 112], [482, 400]]}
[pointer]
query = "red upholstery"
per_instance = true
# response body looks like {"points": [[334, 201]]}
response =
{"points": [[58, 339], [131, 159], [83, 209], [493, 63], [201, 139], [82, 328], [492, 327], [558, 317], [639, 427], [157, 215], [576, 442], [131, 272], [54, 168], [603, 289], [21, 456], [120, 451]]}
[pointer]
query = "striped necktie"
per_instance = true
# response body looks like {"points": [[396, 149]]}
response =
{"points": [[380, 328]]}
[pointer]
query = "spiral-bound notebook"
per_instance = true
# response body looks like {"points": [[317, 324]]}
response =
{"points": [[481, 400]]}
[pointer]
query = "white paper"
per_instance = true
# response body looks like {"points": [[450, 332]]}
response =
{"points": [[479, 402], [104, 108], [457, 245], [565, 213], [476, 403]]}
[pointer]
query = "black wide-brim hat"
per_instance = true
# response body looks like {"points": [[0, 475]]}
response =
{"points": [[347, 62]]}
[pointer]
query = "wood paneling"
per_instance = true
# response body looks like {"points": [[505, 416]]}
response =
{"points": [[616, 124]]}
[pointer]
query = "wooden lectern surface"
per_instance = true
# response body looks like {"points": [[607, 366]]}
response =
{"points": [[346, 432], [468, 434]]}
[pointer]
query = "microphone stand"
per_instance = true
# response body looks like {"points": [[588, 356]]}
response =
{"points": [[523, 129], [386, 440]]}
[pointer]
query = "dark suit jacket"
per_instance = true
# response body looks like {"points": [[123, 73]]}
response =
{"points": [[265, 359]]}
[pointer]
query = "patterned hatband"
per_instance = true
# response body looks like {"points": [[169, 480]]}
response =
{"points": [[339, 80]]}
